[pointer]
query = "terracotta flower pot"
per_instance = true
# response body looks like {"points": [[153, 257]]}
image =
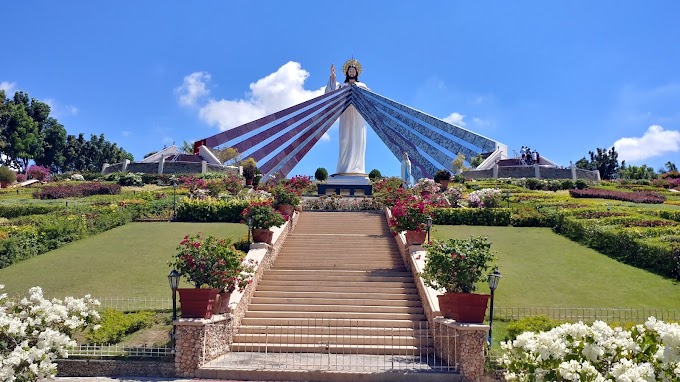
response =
{"points": [[464, 307], [249, 181], [286, 209], [415, 237], [197, 303], [262, 235]]}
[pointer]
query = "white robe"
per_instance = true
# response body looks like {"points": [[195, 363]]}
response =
{"points": [[352, 154], [406, 172]]}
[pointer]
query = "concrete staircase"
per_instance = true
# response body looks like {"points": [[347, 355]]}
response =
{"points": [[339, 285]]}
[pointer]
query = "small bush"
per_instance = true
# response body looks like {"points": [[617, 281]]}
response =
{"points": [[533, 184], [7, 174], [581, 184], [131, 179], [21, 178], [374, 174], [529, 324], [567, 184], [321, 174], [115, 325]]}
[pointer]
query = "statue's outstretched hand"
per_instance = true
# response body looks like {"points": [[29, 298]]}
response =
{"points": [[332, 73]]}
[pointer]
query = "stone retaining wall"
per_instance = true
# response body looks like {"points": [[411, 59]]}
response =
{"points": [[544, 172], [462, 345], [114, 368]]}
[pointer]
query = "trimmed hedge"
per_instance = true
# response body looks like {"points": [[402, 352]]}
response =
{"points": [[635, 196], [18, 210], [472, 216], [76, 190], [625, 245], [211, 210]]}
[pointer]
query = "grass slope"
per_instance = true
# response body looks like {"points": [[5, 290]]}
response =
{"points": [[543, 269], [128, 261]]}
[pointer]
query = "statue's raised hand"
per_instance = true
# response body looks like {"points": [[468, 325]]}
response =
{"points": [[332, 73]]}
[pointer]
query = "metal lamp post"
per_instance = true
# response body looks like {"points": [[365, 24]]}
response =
{"points": [[429, 225], [173, 278], [174, 200], [494, 278]]}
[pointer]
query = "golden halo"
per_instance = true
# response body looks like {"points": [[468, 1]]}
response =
{"points": [[351, 62]]}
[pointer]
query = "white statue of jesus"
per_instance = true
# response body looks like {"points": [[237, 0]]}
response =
{"points": [[352, 155]]}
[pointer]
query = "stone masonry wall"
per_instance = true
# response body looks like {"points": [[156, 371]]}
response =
{"points": [[114, 368], [462, 345]]}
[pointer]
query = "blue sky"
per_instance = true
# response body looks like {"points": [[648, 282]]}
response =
{"points": [[562, 77]]}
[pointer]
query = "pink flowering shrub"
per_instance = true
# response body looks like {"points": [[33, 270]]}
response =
{"points": [[410, 214], [38, 173]]}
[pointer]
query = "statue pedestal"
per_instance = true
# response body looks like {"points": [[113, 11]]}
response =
{"points": [[349, 184]]}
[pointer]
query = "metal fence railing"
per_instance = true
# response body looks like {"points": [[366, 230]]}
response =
{"points": [[135, 303], [588, 314], [116, 350], [337, 345]]}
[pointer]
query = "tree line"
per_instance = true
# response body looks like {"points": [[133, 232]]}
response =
{"points": [[606, 161], [29, 133]]}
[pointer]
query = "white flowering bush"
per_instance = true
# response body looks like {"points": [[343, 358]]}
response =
{"points": [[35, 331], [578, 352], [426, 185], [338, 203], [485, 198]]}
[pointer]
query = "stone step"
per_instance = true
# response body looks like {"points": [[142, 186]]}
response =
{"points": [[344, 277], [365, 368], [335, 315], [299, 308], [277, 339], [357, 301], [282, 286], [336, 285], [392, 322], [287, 294], [338, 330], [332, 348]]}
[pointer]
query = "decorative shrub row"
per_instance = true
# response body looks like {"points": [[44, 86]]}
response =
{"points": [[13, 211], [635, 197], [624, 245], [531, 217], [115, 325], [472, 216], [211, 210], [71, 190]]}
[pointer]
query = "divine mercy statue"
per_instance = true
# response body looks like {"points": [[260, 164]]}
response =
{"points": [[406, 171], [352, 154]]}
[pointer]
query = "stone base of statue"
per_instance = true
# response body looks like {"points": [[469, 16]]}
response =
{"points": [[346, 184]]}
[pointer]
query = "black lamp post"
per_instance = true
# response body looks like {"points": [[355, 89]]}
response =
{"points": [[494, 278], [174, 200], [429, 225], [173, 278]]}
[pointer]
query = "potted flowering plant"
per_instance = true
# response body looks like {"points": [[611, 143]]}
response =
{"points": [[410, 214], [426, 187], [214, 267], [456, 266], [286, 199], [262, 217]]}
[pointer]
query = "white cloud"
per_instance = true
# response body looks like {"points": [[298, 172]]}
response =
{"points": [[325, 137], [8, 87], [277, 91], [126, 133], [70, 109], [455, 119], [193, 88], [654, 142], [60, 111]]}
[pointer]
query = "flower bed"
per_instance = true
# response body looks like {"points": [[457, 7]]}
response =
{"points": [[635, 197], [76, 190], [339, 203]]}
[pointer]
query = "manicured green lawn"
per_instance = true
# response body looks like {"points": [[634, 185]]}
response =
{"points": [[128, 261], [543, 269]]}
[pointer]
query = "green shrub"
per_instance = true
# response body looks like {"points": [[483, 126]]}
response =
{"points": [[211, 210], [131, 179], [22, 243], [581, 184], [529, 324], [374, 174], [472, 216], [533, 184], [115, 325], [531, 217], [567, 184], [552, 185], [321, 174], [7, 174], [13, 211]]}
